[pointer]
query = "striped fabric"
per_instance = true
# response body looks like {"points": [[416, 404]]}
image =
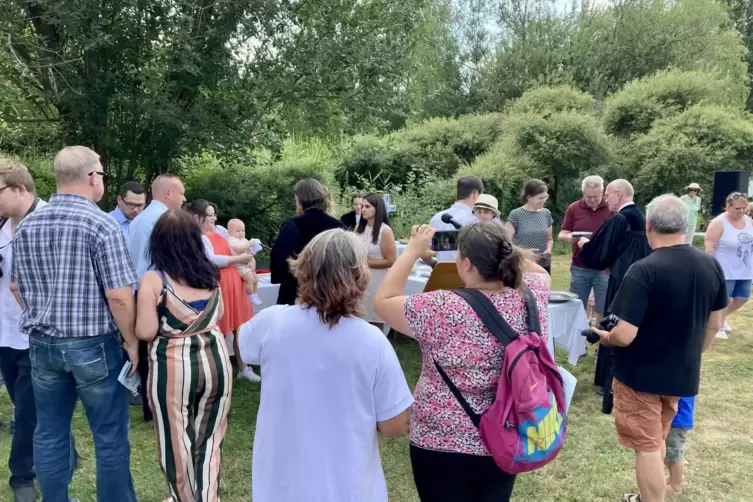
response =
{"points": [[189, 387]]}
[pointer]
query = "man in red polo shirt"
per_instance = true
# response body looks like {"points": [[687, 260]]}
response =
{"points": [[586, 215]]}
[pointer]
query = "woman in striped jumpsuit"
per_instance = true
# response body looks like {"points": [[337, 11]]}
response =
{"points": [[190, 376]]}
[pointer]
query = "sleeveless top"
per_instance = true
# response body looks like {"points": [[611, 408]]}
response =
{"points": [[375, 250], [735, 250], [178, 318]]}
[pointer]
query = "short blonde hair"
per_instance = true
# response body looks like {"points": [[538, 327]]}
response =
{"points": [[333, 275], [15, 174], [74, 163]]}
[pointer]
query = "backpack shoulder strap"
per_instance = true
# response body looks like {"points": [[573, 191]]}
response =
{"points": [[475, 417], [532, 309], [489, 315]]}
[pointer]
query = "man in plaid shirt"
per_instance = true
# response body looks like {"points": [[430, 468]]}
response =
{"points": [[73, 275]]}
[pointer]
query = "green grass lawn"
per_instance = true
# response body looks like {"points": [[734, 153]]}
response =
{"points": [[592, 466]]}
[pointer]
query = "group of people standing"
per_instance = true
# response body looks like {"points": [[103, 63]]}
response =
{"points": [[155, 286]]}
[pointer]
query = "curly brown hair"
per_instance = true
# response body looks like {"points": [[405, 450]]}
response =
{"points": [[333, 275]]}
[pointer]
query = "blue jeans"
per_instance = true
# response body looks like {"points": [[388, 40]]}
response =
{"points": [[64, 370], [582, 280]]}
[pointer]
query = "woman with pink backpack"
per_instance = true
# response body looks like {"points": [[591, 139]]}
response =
{"points": [[463, 442]]}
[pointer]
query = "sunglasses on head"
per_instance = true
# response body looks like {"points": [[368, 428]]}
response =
{"points": [[737, 195]]}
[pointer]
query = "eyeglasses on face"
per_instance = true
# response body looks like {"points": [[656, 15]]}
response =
{"points": [[134, 205], [100, 173]]}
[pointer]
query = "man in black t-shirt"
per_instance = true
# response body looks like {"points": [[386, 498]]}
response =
{"points": [[670, 308]]}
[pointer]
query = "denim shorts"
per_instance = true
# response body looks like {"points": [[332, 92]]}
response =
{"points": [[739, 288], [676, 444]]}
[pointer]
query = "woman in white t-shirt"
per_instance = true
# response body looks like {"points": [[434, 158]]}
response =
{"points": [[332, 383], [729, 238]]}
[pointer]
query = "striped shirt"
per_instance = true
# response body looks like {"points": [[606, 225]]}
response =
{"points": [[65, 256]]}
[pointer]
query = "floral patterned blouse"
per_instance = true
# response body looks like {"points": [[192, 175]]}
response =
{"points": [[450, 332]]}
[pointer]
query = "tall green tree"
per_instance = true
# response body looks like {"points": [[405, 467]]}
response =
{"points": [[143, 82]]}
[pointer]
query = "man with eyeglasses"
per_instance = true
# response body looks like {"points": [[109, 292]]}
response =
{"points": [[131, 201], [73, 276], [168, 192], [17, 199]]}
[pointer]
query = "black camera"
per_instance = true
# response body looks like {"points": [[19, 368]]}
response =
{"points": [[606, 324]]}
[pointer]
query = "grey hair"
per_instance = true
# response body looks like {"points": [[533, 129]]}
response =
{"points": [[668, 215], [74, 163], [623, 186], [592, 182]]}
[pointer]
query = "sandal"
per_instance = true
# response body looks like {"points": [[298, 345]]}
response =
{"points": [[631, 497]]}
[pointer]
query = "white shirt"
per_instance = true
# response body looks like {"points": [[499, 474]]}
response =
{"points": [[463, 214], [324, 391], [10, 313]]}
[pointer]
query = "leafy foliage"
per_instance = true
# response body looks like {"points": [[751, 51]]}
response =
{"points": [[546, 100], [691, 146], [634, 108], [257, 189], [436, 148]]}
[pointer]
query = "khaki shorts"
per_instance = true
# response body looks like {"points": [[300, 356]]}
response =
{"points": [[643, 420]]}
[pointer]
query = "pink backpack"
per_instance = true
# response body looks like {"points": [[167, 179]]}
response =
{"points": [[525, 427]]}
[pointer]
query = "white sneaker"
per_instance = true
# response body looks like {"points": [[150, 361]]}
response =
{"points": [[248, 374], [255, 299], [721, 334], [727, 327]]}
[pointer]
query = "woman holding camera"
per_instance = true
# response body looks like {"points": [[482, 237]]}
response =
{"points": [[449, 460]]}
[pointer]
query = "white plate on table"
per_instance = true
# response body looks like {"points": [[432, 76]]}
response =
{"points": [[561, 296]]}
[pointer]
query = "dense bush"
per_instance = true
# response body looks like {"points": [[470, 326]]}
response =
{"points": [[545, 100], [634, 108], [259, 189], [560, 149], [434, 149], [690, 147]]}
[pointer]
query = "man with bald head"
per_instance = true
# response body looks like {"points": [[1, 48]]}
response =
{"points": [[73, 276], [618, 243], [167, 193]]}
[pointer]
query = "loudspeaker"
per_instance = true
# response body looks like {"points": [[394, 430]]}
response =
{"points": [[726, 182]]}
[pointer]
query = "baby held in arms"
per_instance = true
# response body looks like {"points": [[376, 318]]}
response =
{"points": [[236, 230]]}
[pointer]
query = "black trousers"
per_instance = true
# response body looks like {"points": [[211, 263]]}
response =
{"points": [[16, 369], [143, 371], [457, 477]]}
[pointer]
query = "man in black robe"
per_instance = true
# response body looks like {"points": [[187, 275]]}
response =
{"points": [[311, 200], [617, 244]]}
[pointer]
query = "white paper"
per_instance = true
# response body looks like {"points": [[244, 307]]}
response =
{"points": [[131, 383], [569, 382]]}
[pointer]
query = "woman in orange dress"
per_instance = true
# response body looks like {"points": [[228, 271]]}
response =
{"points": [[235, 300]]}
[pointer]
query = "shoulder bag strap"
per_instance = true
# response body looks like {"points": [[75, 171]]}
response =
{"points": [[495, 323]]}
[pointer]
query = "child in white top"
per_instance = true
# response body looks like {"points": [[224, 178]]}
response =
{"points": [[240, 245]]}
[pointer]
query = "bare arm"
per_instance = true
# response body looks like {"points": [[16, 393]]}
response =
{"points": [[147, 321], [713, 326], [389, 251], [510, 230], [16, 295], [389, 301], [123, 309], [240, 245], [396, 426], [621, 336], [565, 237], [713, 234]]}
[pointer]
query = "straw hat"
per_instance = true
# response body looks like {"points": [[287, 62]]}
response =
{"points": [[693, 186], [486, 201]]}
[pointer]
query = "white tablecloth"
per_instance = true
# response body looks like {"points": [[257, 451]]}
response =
{"points": [[566, 320]]}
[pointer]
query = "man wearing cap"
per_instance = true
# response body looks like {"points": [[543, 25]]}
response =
{"points": [[586, 215], [693, 202], [486, 208]]}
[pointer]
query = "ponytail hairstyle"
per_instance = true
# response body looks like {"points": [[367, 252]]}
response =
{"points": [[489, 249]]}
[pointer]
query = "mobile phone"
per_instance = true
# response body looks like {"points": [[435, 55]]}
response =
{"points": [[445, 240]]}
